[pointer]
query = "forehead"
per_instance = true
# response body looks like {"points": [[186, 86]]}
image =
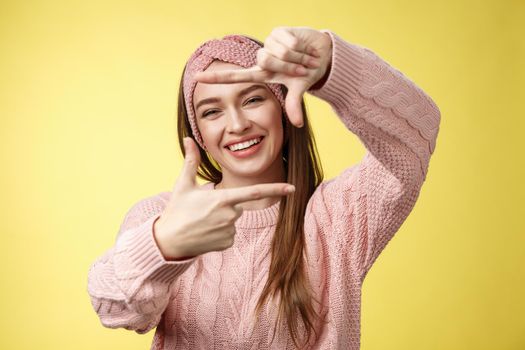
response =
{"points": [[203, 90]]}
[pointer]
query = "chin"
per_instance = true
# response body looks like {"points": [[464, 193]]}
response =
{"points": [[250, 169], [255, 167]]}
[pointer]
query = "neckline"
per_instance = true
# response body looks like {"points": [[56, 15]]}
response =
{"points": [[256, 218]]}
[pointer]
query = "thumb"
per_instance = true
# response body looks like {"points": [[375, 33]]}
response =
{"points": [[293, 108], [192, 160]]}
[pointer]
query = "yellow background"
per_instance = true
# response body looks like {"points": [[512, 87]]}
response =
{"points": [[87, 111]]}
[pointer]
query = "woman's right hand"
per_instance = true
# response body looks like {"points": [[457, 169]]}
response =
{"points": [[196, 221]]}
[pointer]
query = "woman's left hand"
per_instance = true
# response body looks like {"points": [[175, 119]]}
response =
{"points": [[297, 57]]}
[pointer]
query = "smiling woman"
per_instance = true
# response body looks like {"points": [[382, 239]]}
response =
{"points": [[244, 262], [241, 112]]}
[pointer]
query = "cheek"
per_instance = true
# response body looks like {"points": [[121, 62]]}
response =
{"points": [[277, 125], [210, 133], [271, 117]]}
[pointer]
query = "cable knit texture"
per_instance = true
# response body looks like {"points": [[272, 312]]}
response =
{"points": [[208, 302]]}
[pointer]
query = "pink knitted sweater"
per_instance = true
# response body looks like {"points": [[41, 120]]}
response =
{"points": [[207, 302]]}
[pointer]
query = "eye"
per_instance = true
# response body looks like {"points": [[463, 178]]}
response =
{"points": [[211, 111], [250, 100], [255, 99]]}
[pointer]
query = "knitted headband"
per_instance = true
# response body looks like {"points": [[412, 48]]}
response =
{"points": [[236, 49]]}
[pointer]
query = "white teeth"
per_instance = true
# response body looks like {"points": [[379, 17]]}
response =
{"points": [[244, 145]]}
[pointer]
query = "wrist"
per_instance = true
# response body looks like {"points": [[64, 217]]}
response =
{"points": [[168, 255], [159, 239], [324, 78]]}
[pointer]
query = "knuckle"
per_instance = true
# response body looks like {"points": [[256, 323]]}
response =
{"points": [[263, 56], [231, 217], [227, 242], [231, 238], [191, 161], [255, 194], [239, 210], [224, 217], [267, 74], [305, 59], [282, 53], [294, 42], [223, 224]]}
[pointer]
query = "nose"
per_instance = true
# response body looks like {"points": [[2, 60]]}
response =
{"points": [[237, 122]]}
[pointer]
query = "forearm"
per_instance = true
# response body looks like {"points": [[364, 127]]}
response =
{"points": [[129, 285], [398, 124], [373, 100]]}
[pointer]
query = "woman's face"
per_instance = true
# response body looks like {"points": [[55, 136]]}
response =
{"points": [[232, 116]]}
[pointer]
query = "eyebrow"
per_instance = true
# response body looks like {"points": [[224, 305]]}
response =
{"points": [[241, 93]]}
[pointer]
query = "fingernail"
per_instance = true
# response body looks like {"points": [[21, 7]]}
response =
{"points": [[290, 189]]}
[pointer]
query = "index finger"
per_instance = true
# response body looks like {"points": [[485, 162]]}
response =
{"points": [[254, 73], [254, 192]]}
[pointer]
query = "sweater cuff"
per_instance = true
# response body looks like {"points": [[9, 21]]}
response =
{"points": [[141, 258], [344, 78]]}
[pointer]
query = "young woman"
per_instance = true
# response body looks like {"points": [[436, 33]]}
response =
{"points": [[239, 262]]}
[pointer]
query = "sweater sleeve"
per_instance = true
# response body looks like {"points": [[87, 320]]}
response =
{"points": [[129, 285], [398, 124]]}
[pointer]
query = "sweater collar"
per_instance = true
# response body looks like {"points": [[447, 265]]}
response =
{"points": [[254, 218]]}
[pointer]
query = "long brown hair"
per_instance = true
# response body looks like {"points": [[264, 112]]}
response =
{"points": [[287, 274]]}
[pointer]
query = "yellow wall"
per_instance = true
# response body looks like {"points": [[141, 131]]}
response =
{"points": [[87, 111]]}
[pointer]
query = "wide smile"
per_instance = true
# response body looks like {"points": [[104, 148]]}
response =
{"points": [[246, 152]]}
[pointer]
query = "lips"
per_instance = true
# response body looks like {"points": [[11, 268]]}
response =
{"points": [[247, 152], [244, 139]]}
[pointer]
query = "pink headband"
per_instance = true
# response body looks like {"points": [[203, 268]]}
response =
{"points": [[236, 49]]}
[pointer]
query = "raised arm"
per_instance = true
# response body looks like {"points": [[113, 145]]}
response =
{"points": [[398, 124], [130, 284]]}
